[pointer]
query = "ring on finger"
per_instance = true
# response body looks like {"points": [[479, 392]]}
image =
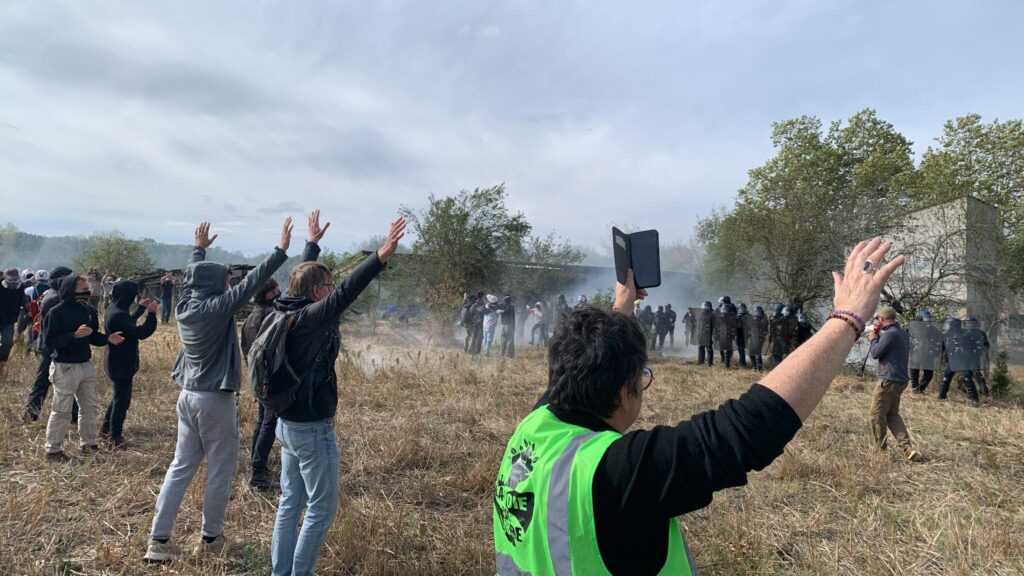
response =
{"points": [[869, 267]]}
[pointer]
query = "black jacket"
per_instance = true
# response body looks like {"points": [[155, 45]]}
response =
{"points": [[123, 360], [12, 301], [647, 477], [314, 342], [60, 324]]}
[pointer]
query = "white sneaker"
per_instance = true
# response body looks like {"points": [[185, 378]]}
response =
{"points": [[161, 552]]}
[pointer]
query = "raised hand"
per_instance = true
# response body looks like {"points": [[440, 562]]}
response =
{"points": [[627, 294], [203, 239], [116, 338], [859, 287], [315, 231], [286, 234], [83, 331], [395, 234]]}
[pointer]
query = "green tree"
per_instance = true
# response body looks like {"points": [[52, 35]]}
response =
{"points": [[462, 243], [112, 253], [986, 161], [804, 208]]}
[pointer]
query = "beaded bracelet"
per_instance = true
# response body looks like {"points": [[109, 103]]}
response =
{"points": [[856, 331], [853, 315]]}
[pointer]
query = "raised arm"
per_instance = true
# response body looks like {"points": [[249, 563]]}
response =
{"points": [[331, 307], [312, 250], [805, 375], [238, 295]]}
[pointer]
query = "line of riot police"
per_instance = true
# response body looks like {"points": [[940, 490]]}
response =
{"points": [[753, 334], [957, 347]]}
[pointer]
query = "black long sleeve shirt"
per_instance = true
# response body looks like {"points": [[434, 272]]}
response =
{"points": [[648, 477]]}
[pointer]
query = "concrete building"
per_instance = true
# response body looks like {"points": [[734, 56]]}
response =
{"points": [[952, 252]]}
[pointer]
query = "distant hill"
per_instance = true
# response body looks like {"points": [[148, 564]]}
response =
{"points": [[24, 250]]}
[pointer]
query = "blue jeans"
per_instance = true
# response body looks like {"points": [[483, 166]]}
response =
{"points": [[309, 479]]}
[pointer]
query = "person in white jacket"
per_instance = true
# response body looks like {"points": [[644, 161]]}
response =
{"points": [[490, 322]]}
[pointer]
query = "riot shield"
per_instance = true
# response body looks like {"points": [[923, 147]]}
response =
{"points": [[960, 351], [754, 332], [726, 334], [925, 345], [977, 340], [705, 327]]}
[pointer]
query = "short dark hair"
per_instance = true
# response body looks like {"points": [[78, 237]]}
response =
{"points": [[261, 295], [592, 354]]}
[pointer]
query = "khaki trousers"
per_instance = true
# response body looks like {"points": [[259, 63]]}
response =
{"points": [[885, 414], [71, 382]]}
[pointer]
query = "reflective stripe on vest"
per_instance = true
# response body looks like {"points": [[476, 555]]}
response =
{"points": [[558, 506]]}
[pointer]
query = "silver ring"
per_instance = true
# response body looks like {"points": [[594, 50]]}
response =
{"points": [[869, 267]]}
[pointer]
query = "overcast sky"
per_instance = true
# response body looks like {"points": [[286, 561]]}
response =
{"points": [[150, 116]]}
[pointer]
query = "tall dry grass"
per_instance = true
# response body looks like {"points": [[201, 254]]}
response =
{"points": [[421, 433]]}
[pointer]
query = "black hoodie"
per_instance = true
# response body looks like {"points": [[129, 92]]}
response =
{"points": [[123, 360], [60, 324]]}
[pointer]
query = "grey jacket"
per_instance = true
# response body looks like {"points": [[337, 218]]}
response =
{"points": [[892, 350], [209, 359]]}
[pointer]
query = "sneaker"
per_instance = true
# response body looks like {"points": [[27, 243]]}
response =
{"points": [[162, 552], [911, 455], [209, 549], [57, 457], [90, 449], [975, 403], [917, 391]]}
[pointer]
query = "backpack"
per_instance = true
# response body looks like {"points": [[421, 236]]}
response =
{"points": [[274, 382], [35, 309]]}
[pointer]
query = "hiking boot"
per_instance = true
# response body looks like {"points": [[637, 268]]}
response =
{"points": [[162, 552], [917, 391], [911, 455], [118, 443], [90, 449], [261, 480], [975, 403], [57, 457], [210, 549]]}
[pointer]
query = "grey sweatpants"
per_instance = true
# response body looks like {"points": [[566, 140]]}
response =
{"points": [[207, 427]]}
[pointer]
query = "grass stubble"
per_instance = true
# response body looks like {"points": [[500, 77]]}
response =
{"points": [[421, 431]]}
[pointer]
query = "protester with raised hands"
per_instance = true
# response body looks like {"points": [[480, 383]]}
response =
{"points": [[577, 493], [305, 399], [209, 372]]}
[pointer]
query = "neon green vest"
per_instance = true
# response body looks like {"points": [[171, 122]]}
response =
{"points": [[543, 502]]}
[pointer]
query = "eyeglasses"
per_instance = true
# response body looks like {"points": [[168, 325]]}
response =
{"points": [[648, 377]]}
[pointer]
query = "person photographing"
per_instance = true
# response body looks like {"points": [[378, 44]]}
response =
{"points": [[890, 345], [577, 492]]}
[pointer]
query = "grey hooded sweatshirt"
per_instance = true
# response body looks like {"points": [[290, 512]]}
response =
{"points": [[209, 359]]}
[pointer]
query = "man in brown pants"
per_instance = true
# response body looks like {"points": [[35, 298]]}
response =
{"points": [[890, 345]]}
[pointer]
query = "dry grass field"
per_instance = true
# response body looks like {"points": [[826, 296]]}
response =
{"points": [[421, 433]]}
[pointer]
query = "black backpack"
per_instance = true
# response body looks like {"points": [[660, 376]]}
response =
{"points": [[274, 382]]}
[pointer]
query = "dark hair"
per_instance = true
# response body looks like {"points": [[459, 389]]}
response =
{"points": [[592, 354], [260, 297]]}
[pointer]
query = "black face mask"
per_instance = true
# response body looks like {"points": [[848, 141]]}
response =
{"points": [[82, 297]]}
